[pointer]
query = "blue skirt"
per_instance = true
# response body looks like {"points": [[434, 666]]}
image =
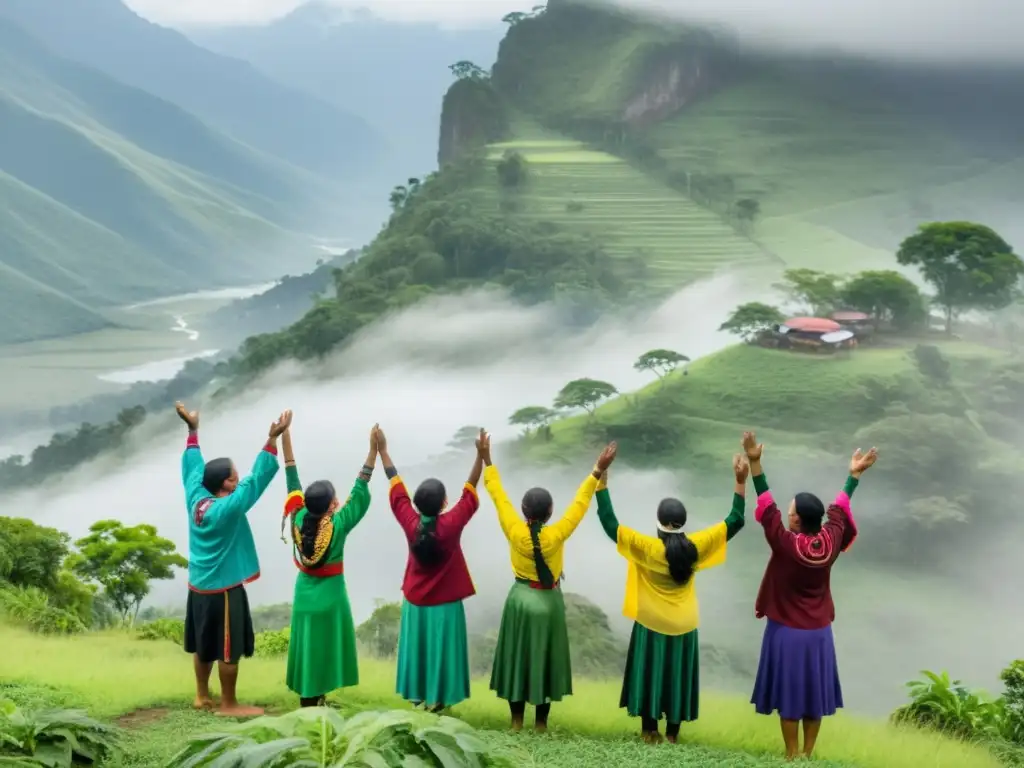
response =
{"points": [[798, 675]]}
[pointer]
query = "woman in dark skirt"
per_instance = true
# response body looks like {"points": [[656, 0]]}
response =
{"points": [[798, 675], [531, 660], [662, 676]]}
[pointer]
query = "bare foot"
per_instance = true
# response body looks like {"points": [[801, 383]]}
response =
{"points": [[672, 739], [517, 723], [239, 710], [202, 703], [653, 737]]}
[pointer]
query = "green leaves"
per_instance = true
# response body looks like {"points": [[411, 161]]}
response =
{"points": [[943, 704], [55, 738], [322, 738]]}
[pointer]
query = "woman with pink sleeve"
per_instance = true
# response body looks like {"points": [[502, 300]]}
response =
{"points": [[798, 675], [433, 649]]}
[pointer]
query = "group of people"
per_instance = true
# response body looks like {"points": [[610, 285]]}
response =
{"points": [[797, 676]]}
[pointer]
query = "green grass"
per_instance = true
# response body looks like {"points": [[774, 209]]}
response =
{"points": [[814, 163], [631, 214], [783, 393], [113, 675]]}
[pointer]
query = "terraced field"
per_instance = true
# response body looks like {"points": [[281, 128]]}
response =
{"points": [[598, 193], [839, 185]]}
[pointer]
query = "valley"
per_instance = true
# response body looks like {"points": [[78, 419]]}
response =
{"points": [[203, 215]]}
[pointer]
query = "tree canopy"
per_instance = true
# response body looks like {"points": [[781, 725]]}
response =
{"points": [[887, 296], [968, 265], [585, 394], [124, 560], [660, 362], [750, 320]]}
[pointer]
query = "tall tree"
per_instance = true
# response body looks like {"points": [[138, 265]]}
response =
{"points": [[886, 295], [817, 292], [532, 416], [124, 561], [585, 394], [660, 362], [750, 320], [969, 265], [513, 170]]}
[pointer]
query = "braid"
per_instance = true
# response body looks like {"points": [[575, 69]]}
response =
{"points": [[544, 575]]}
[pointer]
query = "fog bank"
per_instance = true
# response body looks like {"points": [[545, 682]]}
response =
{"points": [[473, 360]]}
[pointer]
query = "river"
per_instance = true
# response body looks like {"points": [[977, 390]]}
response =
{"points": [[168, 368]]}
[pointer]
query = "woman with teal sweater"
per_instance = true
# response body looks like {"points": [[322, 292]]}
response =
{"points": [[322, 646]]}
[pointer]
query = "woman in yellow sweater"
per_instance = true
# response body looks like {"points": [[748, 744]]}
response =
{"points": [[531, 660], [662, 677]]}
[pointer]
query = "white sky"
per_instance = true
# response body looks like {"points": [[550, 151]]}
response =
{"points": [[449, 12], [982, 30]]}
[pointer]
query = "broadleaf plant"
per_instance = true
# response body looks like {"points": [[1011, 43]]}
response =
{"points": [[319, 737]]}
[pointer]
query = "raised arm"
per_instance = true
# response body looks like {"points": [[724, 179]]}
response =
{"points": [[251, 487], [358, 502], [846, 527], [462, 511], [398, 494], [192, 458], [736, 519], [564, 528], [295, 500], [605, 510], [767, 511]]}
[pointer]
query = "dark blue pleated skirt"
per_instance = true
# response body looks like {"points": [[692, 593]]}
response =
{"points": [[798, 675]]}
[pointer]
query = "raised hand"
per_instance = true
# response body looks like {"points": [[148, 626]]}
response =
{"points": [[607, 457], [381, 439], [751, 447], [483, 446], [740, 468], [862, 461], [189, 417], [279, 427]]}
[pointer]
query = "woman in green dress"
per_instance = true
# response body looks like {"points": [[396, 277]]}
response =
{"points": [[662, 677], [531, 659], [322, 646]]}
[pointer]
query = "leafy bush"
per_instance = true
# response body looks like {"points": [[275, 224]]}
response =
{"points": [[30, 607], [163, 629], [273, 642], [320, 737], [54, 738], [1013, 697], [945, 705]]}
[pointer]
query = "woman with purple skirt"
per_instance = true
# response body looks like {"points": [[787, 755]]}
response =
{"points": [[798, 675]]}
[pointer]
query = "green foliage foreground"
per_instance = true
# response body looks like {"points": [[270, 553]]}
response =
{"points": [[115, 676]]}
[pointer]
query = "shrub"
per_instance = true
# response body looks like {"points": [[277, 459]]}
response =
{"points": [[321, 737], [54, 738], [163, 629], [273, 642], [30, 607], [945, 705]]}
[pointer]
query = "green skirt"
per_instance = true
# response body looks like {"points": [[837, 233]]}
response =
{"points": [[433, 654], [322, 647], [662, 676], [531, 660]]}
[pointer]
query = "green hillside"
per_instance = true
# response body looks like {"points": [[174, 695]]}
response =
{"points": [[111, 195], [841, 167]]}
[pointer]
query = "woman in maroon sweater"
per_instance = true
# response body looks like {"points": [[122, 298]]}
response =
{"points": [[798, 675], [433, 651]]}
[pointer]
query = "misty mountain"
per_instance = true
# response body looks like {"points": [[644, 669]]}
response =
{"points": [[393, 74], [227, 93], [110, 195]]}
